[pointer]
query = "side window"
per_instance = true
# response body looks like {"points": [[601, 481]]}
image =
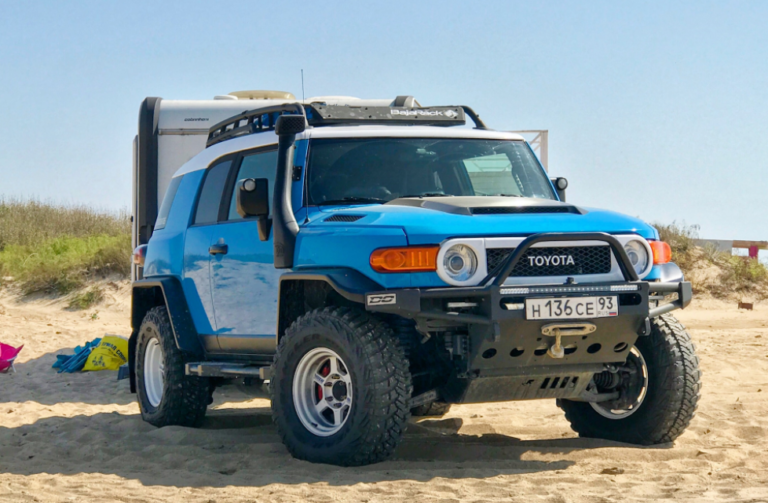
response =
{"points": [[259, 165], [210, 196], [165, 208]]}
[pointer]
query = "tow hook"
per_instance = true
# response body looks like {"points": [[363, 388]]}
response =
{"points": [[560, 330]]}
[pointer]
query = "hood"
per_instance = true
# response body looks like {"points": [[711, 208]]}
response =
{"points": [[430, 220]]}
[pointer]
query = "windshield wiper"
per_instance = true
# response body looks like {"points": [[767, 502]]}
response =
{"points": [[506, 195], [429, 194], [354, 199]]}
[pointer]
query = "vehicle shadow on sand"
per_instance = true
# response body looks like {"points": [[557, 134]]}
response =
{"points": [[241, 447]]}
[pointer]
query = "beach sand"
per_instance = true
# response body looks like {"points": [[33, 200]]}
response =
{"points": [[79, 437]]}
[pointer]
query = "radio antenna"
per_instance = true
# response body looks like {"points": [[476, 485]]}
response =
{"points": [[302, 84]]}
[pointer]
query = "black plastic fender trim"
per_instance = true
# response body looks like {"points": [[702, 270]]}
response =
{"points": [[184, 331], [349, 283]]}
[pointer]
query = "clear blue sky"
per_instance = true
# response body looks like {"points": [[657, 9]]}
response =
{"points": [[655, 109]]}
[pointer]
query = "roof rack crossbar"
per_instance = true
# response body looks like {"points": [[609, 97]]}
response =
{"points": [[261, 120], [250, 122]]}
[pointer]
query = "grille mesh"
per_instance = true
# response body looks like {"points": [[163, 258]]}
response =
{"points": [[344, 218], [586, 260]]}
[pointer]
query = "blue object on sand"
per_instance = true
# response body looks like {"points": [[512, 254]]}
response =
{"points": [[75, 362]]}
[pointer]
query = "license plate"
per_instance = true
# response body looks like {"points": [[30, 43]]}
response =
{"points": [[571, 308]]}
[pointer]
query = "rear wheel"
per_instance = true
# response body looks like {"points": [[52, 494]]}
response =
{"points": [[658, 390], [340, 388], [166, 395]]}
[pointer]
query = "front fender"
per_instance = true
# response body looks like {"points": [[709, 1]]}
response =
{"points": [[295, 294]]}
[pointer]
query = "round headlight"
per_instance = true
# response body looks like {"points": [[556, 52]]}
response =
{"points": [[637, 254], [460, 262]]}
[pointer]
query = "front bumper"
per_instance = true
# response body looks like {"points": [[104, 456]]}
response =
{"points": [[499, 354], [433, 303]]}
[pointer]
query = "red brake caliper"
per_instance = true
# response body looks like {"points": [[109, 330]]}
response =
{"points": [[323, 372]]}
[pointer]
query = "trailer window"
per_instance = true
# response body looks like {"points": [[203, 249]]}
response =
{"points": [[210, 196], [259, 165], [165, 208]]}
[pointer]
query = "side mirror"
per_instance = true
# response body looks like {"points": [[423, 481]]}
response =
{"points": [[253, 201], [560, 185]]}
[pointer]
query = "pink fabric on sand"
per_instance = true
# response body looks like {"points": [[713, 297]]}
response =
{"points": [[7, 355]]}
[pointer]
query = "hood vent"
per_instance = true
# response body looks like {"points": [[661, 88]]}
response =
{"points": [[506, 210], [487, 205], [344, 218]]}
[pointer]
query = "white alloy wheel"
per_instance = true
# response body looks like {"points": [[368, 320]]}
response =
{"points": [[154, 372], [637, 389], [322, 392]]}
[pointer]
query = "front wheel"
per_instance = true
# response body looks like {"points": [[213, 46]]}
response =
{"points": [[658, 390], [340, 388]]}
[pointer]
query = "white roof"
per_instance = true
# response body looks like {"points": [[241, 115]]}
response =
{"points": [[207, 156]]}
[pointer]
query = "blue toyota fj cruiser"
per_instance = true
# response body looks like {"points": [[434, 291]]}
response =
{"points": [[375, 262]]}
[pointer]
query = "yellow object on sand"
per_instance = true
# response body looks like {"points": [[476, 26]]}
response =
{"points": [[109, 354]]}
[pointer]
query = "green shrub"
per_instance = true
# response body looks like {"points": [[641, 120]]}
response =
{"points": [[84, 300], [33, 222], [57, 249], [680, 238], [743, 273], [736, 274], [64, 264]]}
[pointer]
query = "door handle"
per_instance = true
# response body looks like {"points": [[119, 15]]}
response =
{"points": [[218, 249]]}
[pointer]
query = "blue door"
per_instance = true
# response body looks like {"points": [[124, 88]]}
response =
{"points": [[196, 272], [245, 281]]}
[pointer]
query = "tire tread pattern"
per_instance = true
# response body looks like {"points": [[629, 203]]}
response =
{"points": [[185, 398], [676, 397], [384, 400]]}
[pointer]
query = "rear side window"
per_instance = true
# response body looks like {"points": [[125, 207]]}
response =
{"points": [[165, 208], [210, 196], [259, 165]]}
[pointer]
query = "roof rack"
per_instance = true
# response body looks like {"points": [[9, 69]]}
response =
{"points": [[264, 119]]}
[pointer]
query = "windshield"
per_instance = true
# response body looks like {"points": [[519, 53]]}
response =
{"points": [[377, 170]]}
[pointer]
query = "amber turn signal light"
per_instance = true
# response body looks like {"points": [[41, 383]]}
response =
{"points": [[662, 253], [405, 259]]}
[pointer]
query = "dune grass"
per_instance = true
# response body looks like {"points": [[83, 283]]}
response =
{"points": [[736, 274], [57, 249]]}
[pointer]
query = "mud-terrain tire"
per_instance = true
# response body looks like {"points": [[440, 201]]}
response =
{"points": [[431, 409], [671, 397], [177, 399], [377, 372]]}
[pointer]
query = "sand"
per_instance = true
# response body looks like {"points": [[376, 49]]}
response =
{"points": [[67, 437]]}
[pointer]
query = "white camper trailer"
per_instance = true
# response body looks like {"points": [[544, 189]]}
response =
{"points": [[171, 132]]}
